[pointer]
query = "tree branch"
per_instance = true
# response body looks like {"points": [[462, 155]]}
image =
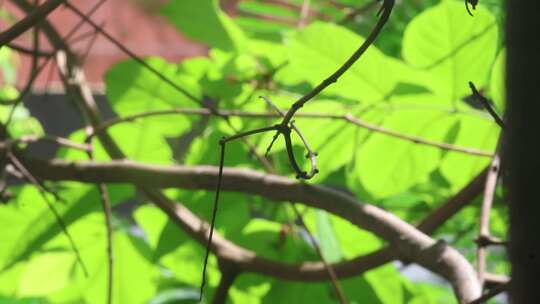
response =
{"points": [[229, 273], [410, 243], [349, 118], [31, 19]]}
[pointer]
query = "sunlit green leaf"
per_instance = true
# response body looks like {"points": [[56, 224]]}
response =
{"points": [[497, 83], [452, 46], [386, 165], [203, 20], [319, 49], [46, 274]]}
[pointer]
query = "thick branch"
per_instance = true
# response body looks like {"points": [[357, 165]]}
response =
{"points": [[410, 243]]}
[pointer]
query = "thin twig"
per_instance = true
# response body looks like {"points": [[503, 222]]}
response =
{"points": [[106, 204], [90, 45], [43, 193], [27, 51], [304, 14], [416, 139], [311, 155], [487, 105], [487, 203], [26, 139], [222, 144], [107, 213], [358, 11], [284, 128], [385, 11], [331, 272], [270, 18], [347, 117], [213, 220]]}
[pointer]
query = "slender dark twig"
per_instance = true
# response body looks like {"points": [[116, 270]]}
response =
{"points": [[284, 129], [385, 11], [49, 138], [331, 272], [486, 105], [222, 144], [473, 4], [214, 214], [106, 204], [311, 155], [32, 179], [358, 11], [107, 213], [27, 51]]}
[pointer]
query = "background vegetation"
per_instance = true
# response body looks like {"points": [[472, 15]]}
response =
{"points": [[401, 130]]}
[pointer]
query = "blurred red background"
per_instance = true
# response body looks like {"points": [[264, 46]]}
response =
{"points": [[135, 23]]}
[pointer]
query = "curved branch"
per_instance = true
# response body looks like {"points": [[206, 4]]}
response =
{"points": [[409, 243], [349, 118], [385, 12]]}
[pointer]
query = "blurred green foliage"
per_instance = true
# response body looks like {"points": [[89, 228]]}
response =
{"points": [[413, 81]]}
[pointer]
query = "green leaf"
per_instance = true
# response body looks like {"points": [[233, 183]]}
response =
{"points": [[134, 279], [497, 84], [424, 293], [203, 20], [357, 290], [178, 295], [387, 165], [8, 65], [452, 46], [4, 300], [333, 140], [46, 274], [352, 241], [274, 241], [132, 89], [387, 284], [480, 133], [22, 123], [328, 241], [36, 227], [319, 49]]}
